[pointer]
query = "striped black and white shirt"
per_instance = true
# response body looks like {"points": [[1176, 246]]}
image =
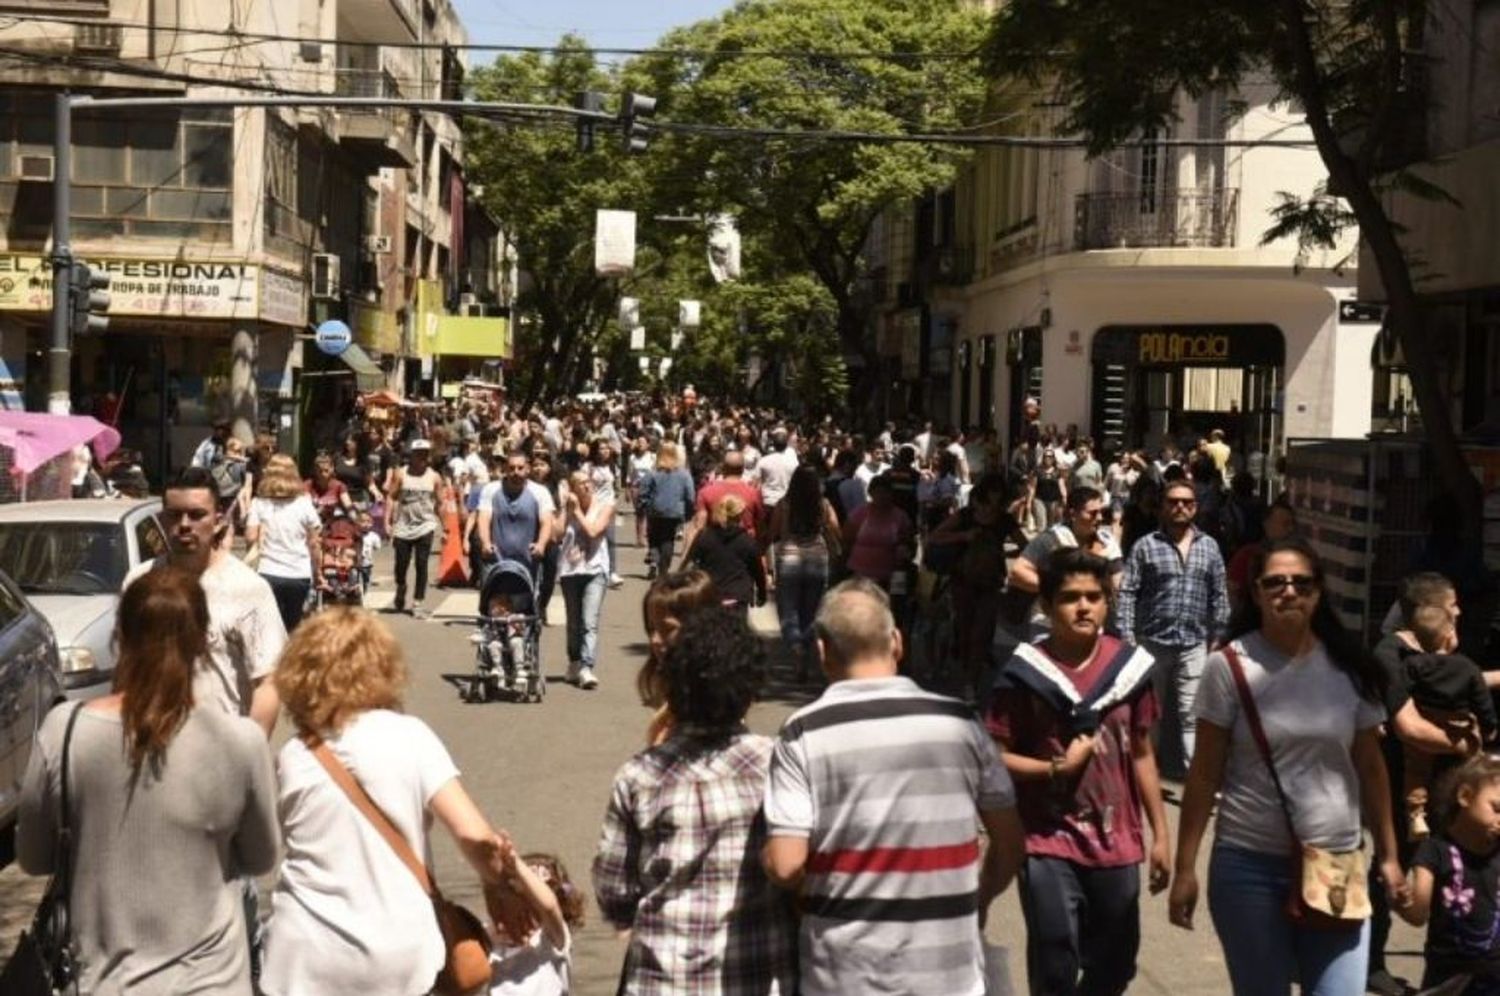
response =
{"points": [[886, 782]]}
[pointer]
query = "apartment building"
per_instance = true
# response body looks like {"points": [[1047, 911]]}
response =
{"points": [[1130, 294], [231, 231]]}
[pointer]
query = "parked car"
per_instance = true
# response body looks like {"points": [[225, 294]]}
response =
{"points": [[70, 558], [30, 685]]}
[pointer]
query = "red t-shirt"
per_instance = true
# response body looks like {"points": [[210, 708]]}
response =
{"points": [[1098, 822], [326, 501], [748, 493]]}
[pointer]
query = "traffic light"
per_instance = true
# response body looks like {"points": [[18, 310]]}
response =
{"points": [[592, 102], [637, 134], [89, 289]]}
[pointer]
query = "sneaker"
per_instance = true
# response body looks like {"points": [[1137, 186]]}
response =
{"points": [[587, 679], [418, 611], [616, 581], [574, 670]]}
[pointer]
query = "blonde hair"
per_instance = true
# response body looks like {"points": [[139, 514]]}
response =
{"points": [[728, 509], [668, 457], [280, 479], [338, 663], [234, 446]]}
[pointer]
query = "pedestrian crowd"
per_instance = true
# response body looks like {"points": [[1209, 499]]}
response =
{"points": [[1017, 649]]}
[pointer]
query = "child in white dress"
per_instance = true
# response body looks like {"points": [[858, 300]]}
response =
{"points": [[539, 965]]}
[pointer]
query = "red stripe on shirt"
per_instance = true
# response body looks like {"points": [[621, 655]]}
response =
{"points": [[895, 859]]}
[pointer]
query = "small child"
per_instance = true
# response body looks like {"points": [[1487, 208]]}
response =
{"points": [[368, 545], [539, 965], [669, 601], [1453, 882], [1449, 690]]}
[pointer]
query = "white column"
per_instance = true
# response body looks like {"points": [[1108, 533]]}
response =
{"points": [[242, 386]]}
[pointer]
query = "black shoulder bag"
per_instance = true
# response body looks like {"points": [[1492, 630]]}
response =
{"points": [[45, 962]]}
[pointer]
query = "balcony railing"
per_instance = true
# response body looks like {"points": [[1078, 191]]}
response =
{"points": [[1164, 219], [365, 83]]}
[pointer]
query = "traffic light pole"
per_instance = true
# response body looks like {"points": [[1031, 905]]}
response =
{"points": [[60, 356]]}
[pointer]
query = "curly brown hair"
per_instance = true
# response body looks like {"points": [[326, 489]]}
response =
{"points": [[674, 596], [338, 663], [569, 896]]}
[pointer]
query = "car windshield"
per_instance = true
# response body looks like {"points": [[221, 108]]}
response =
{"points": [[63, 558]]}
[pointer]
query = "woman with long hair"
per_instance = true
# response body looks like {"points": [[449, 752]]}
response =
{"points": [[285, 524], [1318, 697], [803, 535], [347, 914], [169, 805], [583, 573], [667, 496]]}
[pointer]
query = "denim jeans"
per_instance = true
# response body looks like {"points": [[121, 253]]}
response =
{"points": [[1264, 951], [1083, 926], [661, 533], [799, 588], [1176, 676], [291, 598], [583, 597], [420, 550]]}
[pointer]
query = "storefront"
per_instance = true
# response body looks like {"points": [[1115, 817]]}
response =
{"points": [[1153, 383]]}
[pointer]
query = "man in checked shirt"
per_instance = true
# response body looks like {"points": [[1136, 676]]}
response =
{"points": [[1174, 602]]}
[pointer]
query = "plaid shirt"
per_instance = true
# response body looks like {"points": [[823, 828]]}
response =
{"points": [[1168, 599], [678, 865]]}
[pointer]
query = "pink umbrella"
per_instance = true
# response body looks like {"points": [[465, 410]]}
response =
{"points": [[36, 437]]}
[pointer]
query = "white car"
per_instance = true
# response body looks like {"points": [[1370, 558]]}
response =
{"points": [[70, 559]]}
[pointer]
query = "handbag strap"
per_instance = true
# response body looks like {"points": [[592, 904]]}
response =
{"points": [[1258, 732], [64, 873], [382, 823]]}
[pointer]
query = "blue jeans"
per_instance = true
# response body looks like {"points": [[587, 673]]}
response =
{"points": [[1247, 893], [583, 597], [799, 588], [1176, 676], [1083, 926]]}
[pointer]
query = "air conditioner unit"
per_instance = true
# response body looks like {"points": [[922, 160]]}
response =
{"points": [[376, 245], [325, 275], [35, 166], [471, 309], [97, 37]]}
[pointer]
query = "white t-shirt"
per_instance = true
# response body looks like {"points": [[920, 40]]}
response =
{"points": [[245, 633], [284, 527], [535, 968], [1311, 712], [347, 916], [577, 554], [776, 470], [865, 473]]}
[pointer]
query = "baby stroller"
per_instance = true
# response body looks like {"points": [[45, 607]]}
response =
{"points": [[507, 642], [342, 584]]}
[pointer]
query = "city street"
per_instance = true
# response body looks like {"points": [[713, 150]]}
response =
{"points": [[543, 772]]}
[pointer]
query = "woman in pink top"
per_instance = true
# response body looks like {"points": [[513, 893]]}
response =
{"points": [[878, 535]]}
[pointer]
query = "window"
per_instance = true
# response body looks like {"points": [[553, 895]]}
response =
{"points": [[1149, 175], [63, 558], [11, 608], [150, 541]]}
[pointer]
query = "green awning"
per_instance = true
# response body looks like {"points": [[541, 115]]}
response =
{"points": [[367, 373]]}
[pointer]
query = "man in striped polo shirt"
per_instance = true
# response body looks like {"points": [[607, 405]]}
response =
{"points": [[873, 804]]}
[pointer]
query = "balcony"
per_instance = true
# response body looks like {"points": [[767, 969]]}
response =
{"points": [[385, 22], [1186, 219], [376, 135]]}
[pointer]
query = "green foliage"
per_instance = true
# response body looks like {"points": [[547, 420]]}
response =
{"points": [[1315, 222]]}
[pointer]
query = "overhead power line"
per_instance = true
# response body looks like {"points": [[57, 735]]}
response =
{"points": [[707, 53]]}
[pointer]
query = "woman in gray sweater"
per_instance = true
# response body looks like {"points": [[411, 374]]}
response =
{"points": [[169, 805]]}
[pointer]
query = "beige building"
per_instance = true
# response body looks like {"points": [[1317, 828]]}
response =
{"points": [[229, 232]]}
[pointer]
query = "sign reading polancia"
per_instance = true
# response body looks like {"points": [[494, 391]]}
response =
{"points": [[160, 288], [1189, 345], [1183, 347]]}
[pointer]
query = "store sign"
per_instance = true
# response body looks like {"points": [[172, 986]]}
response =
{"points": [[1180, 347], [333, 337], [283, 298], [160, 288]]}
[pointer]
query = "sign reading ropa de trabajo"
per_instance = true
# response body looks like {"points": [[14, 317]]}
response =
{"points": [[158, 288]]}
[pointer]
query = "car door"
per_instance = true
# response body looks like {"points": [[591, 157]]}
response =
{"points": [[19, 676]]}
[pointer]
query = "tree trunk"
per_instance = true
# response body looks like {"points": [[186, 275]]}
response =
{"points": [[1405, 308]]}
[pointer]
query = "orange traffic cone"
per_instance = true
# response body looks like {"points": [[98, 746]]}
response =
{"points": [[453, 567]]}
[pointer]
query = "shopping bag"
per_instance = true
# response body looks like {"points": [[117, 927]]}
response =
{"points": [[997, 970]]}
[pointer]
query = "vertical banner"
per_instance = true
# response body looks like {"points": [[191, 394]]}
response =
{"points": [[614, 243], [637, 339], [630, 313], [723, 248], [689, 314]]}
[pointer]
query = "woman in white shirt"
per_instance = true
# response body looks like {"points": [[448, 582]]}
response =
{"points": [[583, 572], [348, 916], [285, 523]]}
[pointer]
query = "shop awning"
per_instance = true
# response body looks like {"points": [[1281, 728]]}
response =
{"points": [[367, 374]]}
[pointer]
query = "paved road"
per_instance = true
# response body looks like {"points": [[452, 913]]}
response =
{"points": [[544, 771]]}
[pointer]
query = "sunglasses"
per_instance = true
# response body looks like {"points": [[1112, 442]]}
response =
{"points": [[1302, 584], [1181, 502]]}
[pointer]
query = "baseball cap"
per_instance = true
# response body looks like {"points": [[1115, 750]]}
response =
{"points": [[420, 444]]}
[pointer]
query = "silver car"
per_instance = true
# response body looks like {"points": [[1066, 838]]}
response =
{"points": [[70, 558], [29, 686]]}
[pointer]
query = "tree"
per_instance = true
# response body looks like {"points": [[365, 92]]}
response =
{"points": [[545, 193], [812, 205], [1120, 64]]}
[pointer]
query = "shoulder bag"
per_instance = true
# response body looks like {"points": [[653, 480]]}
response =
{"points": [[466, 966], [45, 962], [1331, 889]]}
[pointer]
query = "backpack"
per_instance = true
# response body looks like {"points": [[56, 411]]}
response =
{"points": [[228, 477]]}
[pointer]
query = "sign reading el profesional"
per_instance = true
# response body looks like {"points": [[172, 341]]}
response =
{"points": [[164, 288]]}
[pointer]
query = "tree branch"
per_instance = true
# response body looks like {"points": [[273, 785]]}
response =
{"points": [[1390, 86]]}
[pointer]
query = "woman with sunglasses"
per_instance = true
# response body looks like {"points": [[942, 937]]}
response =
{"points": [[1316, 693]]}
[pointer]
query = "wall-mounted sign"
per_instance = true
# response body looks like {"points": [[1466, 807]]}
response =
{"points": [[333, 337], [1189, 345]]}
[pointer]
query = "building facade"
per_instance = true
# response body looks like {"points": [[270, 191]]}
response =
{"points": [[230, 232]]}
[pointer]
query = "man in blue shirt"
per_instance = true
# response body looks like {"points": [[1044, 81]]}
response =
{"points": [[511, 524], [1174, 602]]}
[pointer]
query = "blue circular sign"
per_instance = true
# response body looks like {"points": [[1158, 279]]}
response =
{"points": [[333, 337]]}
